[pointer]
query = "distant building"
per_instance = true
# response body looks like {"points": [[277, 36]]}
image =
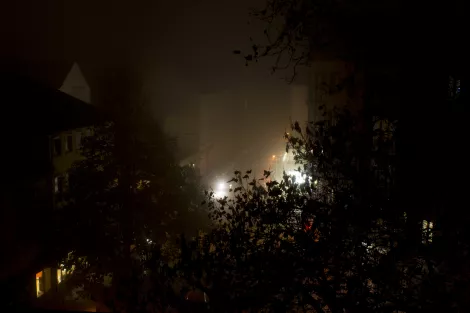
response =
{"points": [[426, 102]]}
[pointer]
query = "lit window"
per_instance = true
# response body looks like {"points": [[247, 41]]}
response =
{"points": [[60, 183], [62, 272], [39, 284], [427, 232], [59, 276]]}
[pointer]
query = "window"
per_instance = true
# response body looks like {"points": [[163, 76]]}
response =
{"points": [[59, 276], [39, 284], [427, 232], [56, 184], [66, 181], [61, 273], [454, 87], [59, 184], [78, 140], [69, 143], [57, 146]]}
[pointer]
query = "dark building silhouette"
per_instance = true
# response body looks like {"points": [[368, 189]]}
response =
{"points": [[414, 74], [33, 119]]}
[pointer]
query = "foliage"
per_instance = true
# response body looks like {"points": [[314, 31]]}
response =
{"points": [[123, 198], [337, 243]]}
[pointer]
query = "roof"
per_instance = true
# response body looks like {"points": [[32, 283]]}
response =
{"points": [[42, 109], [76, 85]]}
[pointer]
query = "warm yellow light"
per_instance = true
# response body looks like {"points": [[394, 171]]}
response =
{"points": [[274, 156], [59, 276], [38, 284]]}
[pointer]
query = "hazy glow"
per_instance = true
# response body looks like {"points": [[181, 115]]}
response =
{"points": [[299, 178], [284, 158], [220, 191]]}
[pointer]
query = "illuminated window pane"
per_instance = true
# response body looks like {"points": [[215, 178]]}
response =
{"points": [[59, 276], [427, 232], [39, 284]]}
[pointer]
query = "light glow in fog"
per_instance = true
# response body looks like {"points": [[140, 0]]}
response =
{"points": [[220, 190], [299, 178]]}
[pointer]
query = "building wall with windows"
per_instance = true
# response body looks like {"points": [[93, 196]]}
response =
{"points": [[38, 114], [64, 149], [66, 145]]}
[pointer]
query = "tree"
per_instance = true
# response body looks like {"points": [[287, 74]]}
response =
{"points": [[366, 35], [124, 196], [336, 243]]}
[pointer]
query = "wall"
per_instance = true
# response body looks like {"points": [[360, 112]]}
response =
{"points": [[64, 161]]}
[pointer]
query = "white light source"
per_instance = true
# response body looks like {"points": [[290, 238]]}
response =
{"points": [[299, 178], [220, 191]]}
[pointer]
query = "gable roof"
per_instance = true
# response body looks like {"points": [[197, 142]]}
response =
{"points": [[76, 85], [32, 106]]}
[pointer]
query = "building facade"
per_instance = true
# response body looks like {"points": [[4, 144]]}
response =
{"points": [[48, 126], [65, 149]]}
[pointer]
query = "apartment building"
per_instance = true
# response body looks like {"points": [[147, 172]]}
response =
{"points": [[65, 149], [42, 128]]}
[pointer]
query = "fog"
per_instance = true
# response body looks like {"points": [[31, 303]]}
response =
{"points": [[224, 115]]}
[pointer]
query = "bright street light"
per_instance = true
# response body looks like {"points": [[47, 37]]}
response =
{"points": [[299, 178]]}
